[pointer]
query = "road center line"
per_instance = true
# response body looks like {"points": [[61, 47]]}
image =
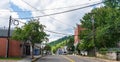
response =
{"points": [[68, 58]]}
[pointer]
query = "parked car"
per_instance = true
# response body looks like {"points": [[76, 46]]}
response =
{"points": [[65, 53], [84, 53]]}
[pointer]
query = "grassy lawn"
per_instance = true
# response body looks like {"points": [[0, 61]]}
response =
{"points": [[10, 58]]}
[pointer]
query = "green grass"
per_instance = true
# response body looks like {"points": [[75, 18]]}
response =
{"points": [[1, 58]]}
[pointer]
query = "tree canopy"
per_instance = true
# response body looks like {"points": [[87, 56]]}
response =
{"points": [[113, 3], [107, 26], [32, 31]]}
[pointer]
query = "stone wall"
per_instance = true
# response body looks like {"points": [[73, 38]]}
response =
{"points": [[109, 55], [112, 55]]}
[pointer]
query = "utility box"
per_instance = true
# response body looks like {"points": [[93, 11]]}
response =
{"points": [[118, 56]]}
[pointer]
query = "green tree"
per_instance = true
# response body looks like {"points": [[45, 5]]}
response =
{"points": [[86, 42], [113, 3], [47, 47], [33, 31], [58, 43], [70, 44], [107, 27]]}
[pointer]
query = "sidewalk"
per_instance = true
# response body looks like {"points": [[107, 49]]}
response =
{"points": [[95, 58], [36, 57], [8, 60], [28, 59]]}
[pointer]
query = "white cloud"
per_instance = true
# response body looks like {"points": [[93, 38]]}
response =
{"points": [[4, 13], [70, 19], [4, 4]]}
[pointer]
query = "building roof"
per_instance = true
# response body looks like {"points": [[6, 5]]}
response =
{"points": [[4, 32]]}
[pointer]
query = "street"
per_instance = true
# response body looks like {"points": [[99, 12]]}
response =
{"points": [[53, 58], [67, 58]]}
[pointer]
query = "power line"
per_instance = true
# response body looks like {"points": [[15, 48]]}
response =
{"points": [[22, 22], [54, 31], [49, 30], [53, 8], [57, 32], [49, 16], [63, 11]]}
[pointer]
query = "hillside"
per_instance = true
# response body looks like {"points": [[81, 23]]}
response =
{"points": [[58, 41], [64, 41]]}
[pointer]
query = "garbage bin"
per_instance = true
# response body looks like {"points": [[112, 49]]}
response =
{"points": [[36, 51]]}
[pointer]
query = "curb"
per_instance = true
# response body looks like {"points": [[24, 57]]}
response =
{"points": [[35, 59]]}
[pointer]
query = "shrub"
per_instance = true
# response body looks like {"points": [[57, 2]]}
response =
{"points": [[103, 51]]}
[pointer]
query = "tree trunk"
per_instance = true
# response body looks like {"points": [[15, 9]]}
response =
{"points": [[22, 49], [32, 48]]}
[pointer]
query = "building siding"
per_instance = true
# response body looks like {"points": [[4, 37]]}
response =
{"points": [[76, 37], [14, 48], [77, 31], [3, 47]]}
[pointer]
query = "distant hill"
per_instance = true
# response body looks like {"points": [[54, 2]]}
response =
{"points": [[64, 41], [58, 41]]}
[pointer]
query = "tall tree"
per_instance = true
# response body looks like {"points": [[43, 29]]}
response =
{"points": [[33, 32], [70, 44], [113, 3], [106, 26]]}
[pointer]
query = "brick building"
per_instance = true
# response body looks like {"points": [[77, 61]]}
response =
{"points": [[76, 34], [16, 48]]}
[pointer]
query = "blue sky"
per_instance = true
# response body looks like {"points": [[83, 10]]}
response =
{"points": [[20, 13]]}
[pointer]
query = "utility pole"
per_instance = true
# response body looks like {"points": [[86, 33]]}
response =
{"points": [[93, 28], [8, 38]]}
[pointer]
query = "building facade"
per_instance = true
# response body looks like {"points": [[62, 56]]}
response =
{"points": [[76, 34], [15, 47]]}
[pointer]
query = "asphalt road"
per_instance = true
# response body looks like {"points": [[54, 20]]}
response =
{"points": [[67, 58], [53, 58], [77, 58]]}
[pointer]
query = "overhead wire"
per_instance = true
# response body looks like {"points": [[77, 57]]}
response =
{"points": [[63, 11], [57, 32], [53, 8], [49, 16], [54, 31], [60, 13], [49, 30]]}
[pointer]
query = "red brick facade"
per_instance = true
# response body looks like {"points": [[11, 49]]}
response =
{"points": [[15, 49], [2, 47], [76, 33]]}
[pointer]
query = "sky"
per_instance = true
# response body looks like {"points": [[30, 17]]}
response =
{"points": [[61, 23]]}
